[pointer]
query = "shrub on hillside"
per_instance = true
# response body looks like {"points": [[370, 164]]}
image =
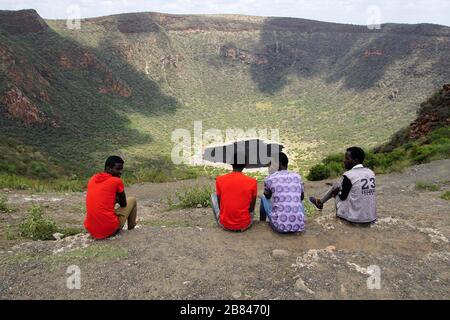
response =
{"points": [[319, 172], [192, 196], [4, 204], [36, 226], [424, 186], [446, 196]]}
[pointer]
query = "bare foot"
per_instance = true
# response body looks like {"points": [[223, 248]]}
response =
{"points": [[316, 202]]}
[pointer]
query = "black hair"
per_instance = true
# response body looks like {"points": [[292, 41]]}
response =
{"points": [[283, 159], [237, 161], [357, 154], [112, 160]]}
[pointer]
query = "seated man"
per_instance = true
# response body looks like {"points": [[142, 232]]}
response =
{"points": [[355, 192], [103, 192], [285, 212], [234, 202]]}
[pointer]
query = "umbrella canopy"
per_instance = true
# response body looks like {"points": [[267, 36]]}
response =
{"points": [[254, 152]]}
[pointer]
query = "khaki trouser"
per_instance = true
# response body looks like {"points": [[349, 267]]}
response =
{"points": [[128, 214]]}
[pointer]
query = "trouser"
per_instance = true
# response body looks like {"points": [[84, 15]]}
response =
{"points": [[216, 213], [128, 214], [215, 208], [265, 209]]}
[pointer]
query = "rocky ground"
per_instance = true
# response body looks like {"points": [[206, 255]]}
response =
{"points": [[181, 254]]}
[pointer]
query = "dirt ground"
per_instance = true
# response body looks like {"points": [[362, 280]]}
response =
{"points": [[181, 254]]}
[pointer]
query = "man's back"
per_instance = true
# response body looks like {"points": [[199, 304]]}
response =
{"points": [[287, 208], [360, 205], [101, 220], [236, 192]]}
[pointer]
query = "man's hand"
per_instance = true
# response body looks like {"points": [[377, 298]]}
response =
{"points": [[121, 199]]}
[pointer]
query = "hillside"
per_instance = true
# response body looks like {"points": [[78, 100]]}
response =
{"points": [[426, 139], [123, 83], [433, 114]]}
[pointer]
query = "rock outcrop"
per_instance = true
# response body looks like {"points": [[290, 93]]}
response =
{"points": [[85, 60], [19, 107], [434, 113], [22, 22], [244, 56]]}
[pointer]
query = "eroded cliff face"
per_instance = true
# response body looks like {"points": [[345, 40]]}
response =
{"points": [[166, 48], [19, 107], [434, 113], [81, 60], [27, 85], [244, 56]]}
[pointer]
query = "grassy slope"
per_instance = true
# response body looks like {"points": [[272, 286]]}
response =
{"points": [[317, 87], [402, 150]]}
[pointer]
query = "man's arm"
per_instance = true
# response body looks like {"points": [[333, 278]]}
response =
{"points": [[252, 204], [346, 187], [121, 199], [267, 194], [267, 191], [303, 189], [218, 192]]}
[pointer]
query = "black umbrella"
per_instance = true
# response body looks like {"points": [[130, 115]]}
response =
{"points": [[255, 152]]}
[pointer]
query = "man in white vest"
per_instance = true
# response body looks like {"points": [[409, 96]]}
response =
{"points": [[355, 192]]}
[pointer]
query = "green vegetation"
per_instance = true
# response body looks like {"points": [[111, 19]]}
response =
{"points": [[19, 258], [97, 252], [70, 231], [427, 186], [41, 185], [191, 197], [446, 196], [331, 166], [434, 146], [310, 210], [168, 223], [160, 170], [4, 207], [257, 175], [11, 233], [36, 226], [154, 171], [19, 158]]}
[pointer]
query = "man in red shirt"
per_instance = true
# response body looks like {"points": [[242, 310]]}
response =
{"points": [[235, 198], [103, 192]]}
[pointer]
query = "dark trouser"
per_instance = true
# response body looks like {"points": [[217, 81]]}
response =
{"points": [[265, 209]]}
